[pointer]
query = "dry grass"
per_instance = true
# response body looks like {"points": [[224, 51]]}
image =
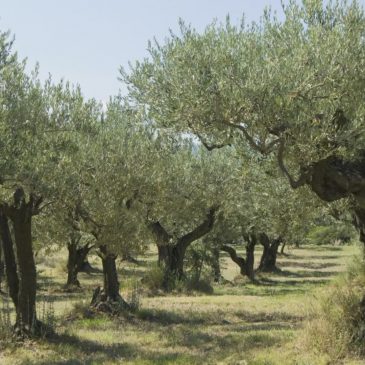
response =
{"points": [[239, 324]]}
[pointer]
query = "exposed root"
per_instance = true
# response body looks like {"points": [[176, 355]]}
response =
{"points": [[100, 302], [39, 329]]}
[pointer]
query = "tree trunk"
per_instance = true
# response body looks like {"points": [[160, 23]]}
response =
{"points": [[250, 256], [240, 261], [176, 259], [110, 274], [9, 259], [1, 267], [76, 259], [359, 223], [216, 265], [171, 256], [171, 260], [269, 254], [245, 265], [163, 254], [108, 299], [26, 312], [282, 248]]}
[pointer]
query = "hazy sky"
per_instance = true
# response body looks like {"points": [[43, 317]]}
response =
{"points": [[85, 41]]}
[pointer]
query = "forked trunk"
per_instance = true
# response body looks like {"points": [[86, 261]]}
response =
{"points": [[246, 265], [75, 263], [269, 254], [171, 256]]}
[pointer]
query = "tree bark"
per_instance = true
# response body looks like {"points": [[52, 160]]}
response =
{"points": [[20, 213], [110, 274], [163, 254], [171, 256], [75, 263], [9, 259], [1, 267], [246, 265], [282, 248], [269, 254], [334, 178], [216, 265], [26, 311], [359, 222], [240, 261], [251, 241], [108, 299]]}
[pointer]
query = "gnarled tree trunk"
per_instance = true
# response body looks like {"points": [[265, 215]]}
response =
{"points": [[20, 213], [76, 259], [269, 254], [9, 259], [216, 265], [246, 265], [108, 299], [26, 311], [171, 255], [110, 274]]}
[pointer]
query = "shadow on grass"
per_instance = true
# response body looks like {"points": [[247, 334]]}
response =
{"points": [[269, 287], [59, 296], [306, 274], [165, 317], [84, 351], [316, 257], [288, 284], [232, 337], [268, 318], [308, 265], [76, 351]]}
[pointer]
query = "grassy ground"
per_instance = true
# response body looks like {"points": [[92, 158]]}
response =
{"points": [[240, 323]]}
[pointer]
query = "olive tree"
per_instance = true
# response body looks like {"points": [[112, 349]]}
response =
{"points": [[38, 124], [293, 88]]}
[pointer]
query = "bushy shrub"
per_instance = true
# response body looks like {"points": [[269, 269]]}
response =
{"points": [[337, 317], [202, 285], [154, 278]]}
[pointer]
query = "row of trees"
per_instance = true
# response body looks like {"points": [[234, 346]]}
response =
{"points": [[74, 174], [151, 167]]}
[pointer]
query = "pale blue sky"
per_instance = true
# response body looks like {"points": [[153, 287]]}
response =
{"points": [[85, 41]]}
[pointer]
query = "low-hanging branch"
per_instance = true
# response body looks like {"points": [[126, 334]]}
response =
{"points": [[302, 180], [240, 261]]}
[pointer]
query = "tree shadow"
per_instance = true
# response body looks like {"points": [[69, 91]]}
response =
{"points": [[308, 265], [81, 347], [307, 274], [164, 317], [322, 257], [264, 317]]}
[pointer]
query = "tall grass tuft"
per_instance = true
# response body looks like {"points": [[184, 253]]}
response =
{"points": [[336, 325]]}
